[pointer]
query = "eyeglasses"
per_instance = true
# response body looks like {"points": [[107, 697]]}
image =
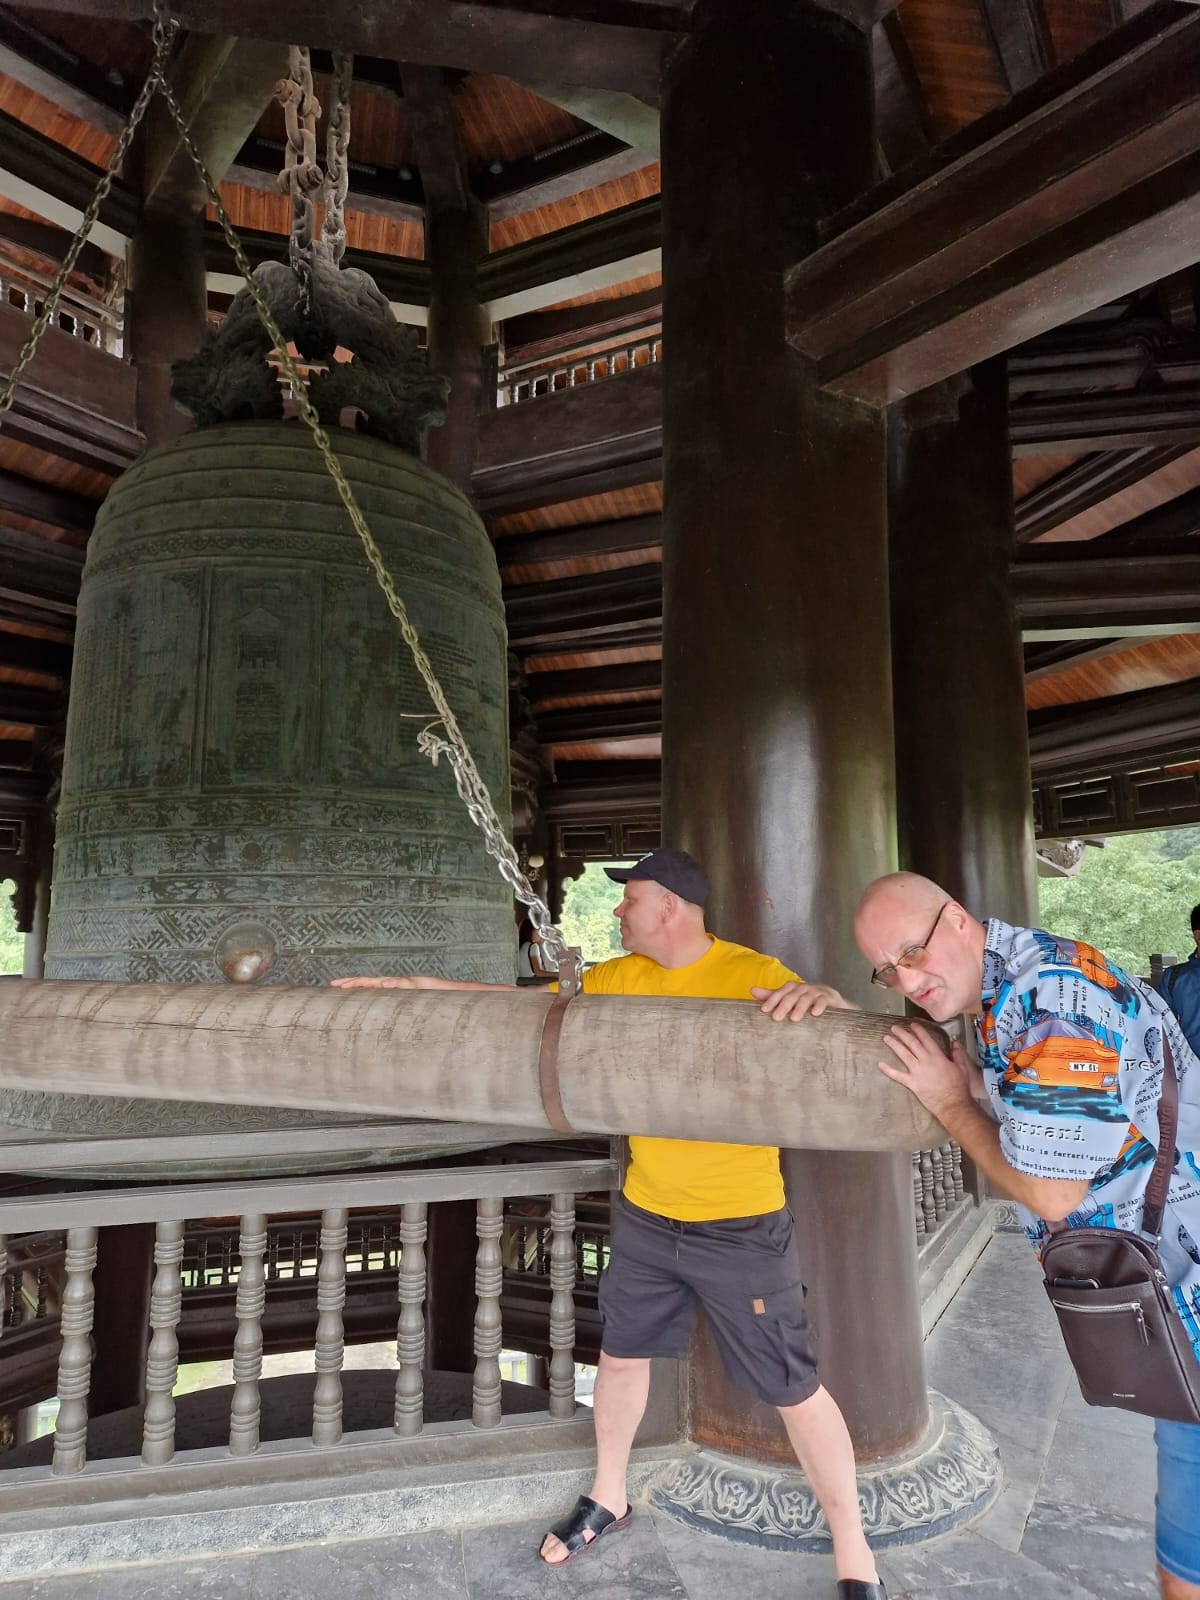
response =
{"points": [[914, 956]]}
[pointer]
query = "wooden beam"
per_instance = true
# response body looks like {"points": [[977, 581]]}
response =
{"points": [[1047, 658], [71, 82], [1150, 723], [75, 401], [607, 603], [567, 43], [1020, 40], [1075, 193], [1171, 525], [26, 653], [901, 113], [30, 708], [223, 85], [610, 683], [429, 111], [57, 507], [584, 161], [1085, 484], [617, 792], [16, 754], [596, 724], [1077, 593], [541, 332], [625, 116], [589, 255], [45, 239], [1071, 425], [565, 446], [630, 536], [46, 178], [42, 570]]}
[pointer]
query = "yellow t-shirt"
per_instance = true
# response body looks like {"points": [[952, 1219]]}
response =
{"points": [[693, 1180]]}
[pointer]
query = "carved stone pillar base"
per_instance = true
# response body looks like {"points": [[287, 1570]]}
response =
{"points": [[950, 1477]]}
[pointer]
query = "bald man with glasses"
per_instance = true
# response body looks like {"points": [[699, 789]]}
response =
{"points": [[1060, 1114]]}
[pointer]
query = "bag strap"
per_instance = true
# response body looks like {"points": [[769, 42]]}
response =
{"points": [[1168, 1121]]}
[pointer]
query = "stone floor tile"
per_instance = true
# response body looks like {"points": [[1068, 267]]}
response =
{"points": [[1096, 1466], [419, 1566], [959, 1561], [220, 1578], [713, 1568], [961, 1363], [1043, 1587], [503, 1564], [1024, 1443], [1111, 1557]]}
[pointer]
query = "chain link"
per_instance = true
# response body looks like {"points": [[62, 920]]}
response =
{"points": [[468, 780], [337, 144]]}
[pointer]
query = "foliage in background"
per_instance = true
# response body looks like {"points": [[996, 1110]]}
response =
{"points": [[1131, 898], [587, 918], [12, 943]]}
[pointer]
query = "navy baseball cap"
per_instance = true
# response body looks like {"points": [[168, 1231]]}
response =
{"points": [[677, 871]]}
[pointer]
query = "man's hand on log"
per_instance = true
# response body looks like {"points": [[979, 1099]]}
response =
{"points": [[796, 1000], [940, 1082]]}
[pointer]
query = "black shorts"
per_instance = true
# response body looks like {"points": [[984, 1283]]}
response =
{"points": [[744, 1271]]}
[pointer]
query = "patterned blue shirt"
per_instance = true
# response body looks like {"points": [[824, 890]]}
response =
{"points": [[1072, 1056]]}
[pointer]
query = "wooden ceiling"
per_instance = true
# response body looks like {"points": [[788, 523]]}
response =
{"points": [[942, 65]]}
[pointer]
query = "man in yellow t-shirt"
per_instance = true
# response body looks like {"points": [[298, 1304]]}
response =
{"points": [[702, 1223]]}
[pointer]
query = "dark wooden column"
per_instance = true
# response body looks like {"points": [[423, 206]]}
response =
{"points": [[777, 707], [962, 750], [456, 240], [168, 308], [123, 1280]]}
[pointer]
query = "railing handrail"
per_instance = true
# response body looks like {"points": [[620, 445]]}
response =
{"points": [[184, 1202], [592, 350]]}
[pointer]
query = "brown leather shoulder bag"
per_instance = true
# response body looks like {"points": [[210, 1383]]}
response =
{"points": [[1125, 1339]]}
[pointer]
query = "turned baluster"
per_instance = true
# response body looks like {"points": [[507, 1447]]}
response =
{"points": [[246, 1405], [75, 1357], [927, 1205], [489, 1272], [410, 1329], [330, 1343], [162, 1358], [939, 1185], [956, 1172], [562, 1305], [918, 1193], [3, 1283]]}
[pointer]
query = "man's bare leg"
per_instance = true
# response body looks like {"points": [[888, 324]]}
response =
{"points": [[1177, 1588], [618, 1405], [821, 1440]]}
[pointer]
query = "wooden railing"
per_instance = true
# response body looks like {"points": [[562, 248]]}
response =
{"points": [[82, 1216], [78, 314], [520, 382]]}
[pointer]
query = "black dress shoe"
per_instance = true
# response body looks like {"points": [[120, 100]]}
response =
{"points": [[853, 1589]]}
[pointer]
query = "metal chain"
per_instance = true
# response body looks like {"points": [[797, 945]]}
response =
{"points": [[301, 177], [337, 143], [469, 782], [164, 34]]}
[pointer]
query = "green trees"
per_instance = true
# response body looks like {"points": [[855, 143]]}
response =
{"points": [[588, 919], [1131, 898], [12, 943]]}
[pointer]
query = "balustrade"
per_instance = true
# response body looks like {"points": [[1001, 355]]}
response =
{"points": [[937, 1186], [77, 314], [379, 1220], [521, 382]]}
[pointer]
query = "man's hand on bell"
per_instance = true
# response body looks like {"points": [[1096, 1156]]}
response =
{"points": [[938, 1080], [420, 981], [794, 1001]]}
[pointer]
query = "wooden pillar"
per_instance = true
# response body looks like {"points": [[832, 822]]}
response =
{"points": [[455, 242], [168, 311], [962, 748], [123, 1279], [777, 705]]}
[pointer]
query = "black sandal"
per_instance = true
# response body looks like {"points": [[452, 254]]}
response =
{"points": [[855, 1589], [587, 1517]]}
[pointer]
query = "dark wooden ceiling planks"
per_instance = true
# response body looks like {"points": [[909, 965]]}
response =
{"points": [[1145, 665], [579, 207]]}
